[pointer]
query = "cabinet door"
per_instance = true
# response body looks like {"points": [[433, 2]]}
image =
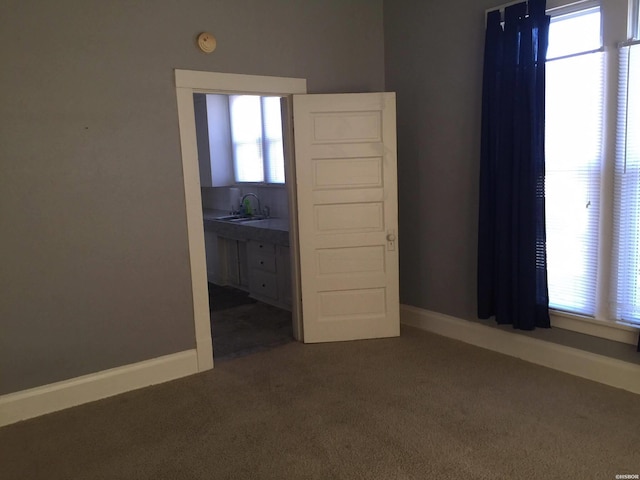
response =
{"points": [[235, 268], [243, 265], [264, 284], [264, 277], [214, 265], [262, 255], [232, 265]]}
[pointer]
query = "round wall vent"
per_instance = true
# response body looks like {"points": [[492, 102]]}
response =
{"points": [[206, 42]]}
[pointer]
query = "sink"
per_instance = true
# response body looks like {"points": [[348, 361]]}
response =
{"points": [[228, 218], [241, 218]]}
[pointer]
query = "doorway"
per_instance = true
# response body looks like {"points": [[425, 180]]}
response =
{"points": [[188, 83], [246, 218], [343, 237]]}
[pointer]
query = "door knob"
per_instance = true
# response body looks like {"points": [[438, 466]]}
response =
{"points": [[391, 240]]}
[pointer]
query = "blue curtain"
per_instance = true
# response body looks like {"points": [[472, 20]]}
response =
{"points": [[512, 272]]}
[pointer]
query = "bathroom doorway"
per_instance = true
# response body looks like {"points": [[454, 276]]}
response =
{"points": [[343, 209], [189, 83], [246, 221]]}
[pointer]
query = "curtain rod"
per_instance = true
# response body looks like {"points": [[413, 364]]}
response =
{"points": [[503, 6], [549, 10]]}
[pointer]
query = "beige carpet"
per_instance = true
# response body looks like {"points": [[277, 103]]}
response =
{"points": [[415, 407]]}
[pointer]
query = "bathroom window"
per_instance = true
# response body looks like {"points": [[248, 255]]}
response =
{"points": [[256, 137]]}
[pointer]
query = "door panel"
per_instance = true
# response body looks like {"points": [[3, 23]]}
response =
{"points": [[349, 218], [347, 127], [345, 148], [350, 261], [347, 173]]}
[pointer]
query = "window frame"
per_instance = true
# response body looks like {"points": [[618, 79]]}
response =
{"points": [[633, 26], [266, 160]]}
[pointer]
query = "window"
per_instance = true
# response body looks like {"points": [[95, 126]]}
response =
{"points": [[593, 260], [626, 268], [256, 137], [573, 137]]}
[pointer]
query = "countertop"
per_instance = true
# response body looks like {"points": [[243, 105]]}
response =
{"points": [[272, 230]]}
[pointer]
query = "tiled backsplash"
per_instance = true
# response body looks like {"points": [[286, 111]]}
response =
{"points": [[228, 198]]}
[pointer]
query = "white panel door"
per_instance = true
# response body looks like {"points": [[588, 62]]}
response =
{"points": [[345, 149]]}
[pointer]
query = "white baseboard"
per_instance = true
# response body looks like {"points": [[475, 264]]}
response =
{"points": [[88, 388], [591, 366]]}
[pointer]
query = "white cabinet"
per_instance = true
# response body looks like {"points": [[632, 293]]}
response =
{"points": [[260, 268], [233, 268], [269, 276], [215, 258]]}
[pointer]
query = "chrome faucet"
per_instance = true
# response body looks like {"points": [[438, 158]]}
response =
{"points": [[257, 212]]}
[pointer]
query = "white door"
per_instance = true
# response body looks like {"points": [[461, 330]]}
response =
{"points": [[345, 149]]}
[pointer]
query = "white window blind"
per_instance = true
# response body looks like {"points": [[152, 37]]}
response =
{"points": [[573, 136], [626, 271], [246, 136], [256, 136]]}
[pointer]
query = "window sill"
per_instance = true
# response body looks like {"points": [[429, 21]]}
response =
{"points": [[259, 185], [610, 330]]}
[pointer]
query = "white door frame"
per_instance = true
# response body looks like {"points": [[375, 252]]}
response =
{"points": [[189, 82]]}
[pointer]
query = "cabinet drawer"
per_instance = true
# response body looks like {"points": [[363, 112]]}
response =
{"points": [[261, 248], [264, 284], [264, 261]]}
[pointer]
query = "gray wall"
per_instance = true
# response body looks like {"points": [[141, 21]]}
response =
{"points": [[94, 270], [433, 60]]}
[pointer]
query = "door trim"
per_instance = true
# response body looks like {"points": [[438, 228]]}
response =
{"points": [[189, 82]]}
